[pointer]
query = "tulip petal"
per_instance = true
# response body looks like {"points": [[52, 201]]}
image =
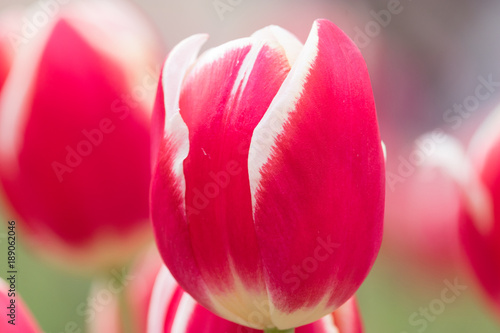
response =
{"points": [[84, 73], [347, 317], [326, 100], [274, 34], [166, 116], [173, 310], [240, 79], [170, 138], [73, 127], [163, 293], [480, 230]]}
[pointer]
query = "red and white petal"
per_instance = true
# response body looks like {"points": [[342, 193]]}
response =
{"points": [[274, 34], [223, 98], [316, 170], [173, 310], [485, 140], [120, 23], [171, 143], [484, 193], [347, 318], [480, 231], [164, 293], [175, 130], [42, 119], [15, 102]]}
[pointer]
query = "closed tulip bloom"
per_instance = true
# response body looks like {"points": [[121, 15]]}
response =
{"points": [[417, 228], [173, 310], [268, 188], [17, 317], [480, 231], [74, 133]]}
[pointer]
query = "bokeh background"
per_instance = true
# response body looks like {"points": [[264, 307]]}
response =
{"points": [[422, 60]]}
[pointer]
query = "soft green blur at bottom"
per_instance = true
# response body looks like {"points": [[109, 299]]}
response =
{"points": [[275, 330]]}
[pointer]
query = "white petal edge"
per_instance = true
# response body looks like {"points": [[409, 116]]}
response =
{"points": [[178, 62], [328, 324], [163, 291], [185, 310], [111, 25], [274, 34], [484, 138], [283, 104], [16, 99], [451, 157], [480, 203], [384, 150]]}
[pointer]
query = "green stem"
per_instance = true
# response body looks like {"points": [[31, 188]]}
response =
{"points": [[126, 319], [125, 314], [275, 330]]}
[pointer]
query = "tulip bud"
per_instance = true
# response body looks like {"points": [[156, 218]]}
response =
{"points": [[480, 231], [173, 310], [420, 183], [268, 189], [74, 133], [18, 319]]}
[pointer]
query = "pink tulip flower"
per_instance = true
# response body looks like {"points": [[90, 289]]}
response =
{"points": [[142, 297], [74, 133], [173, 310], [480, 231], [268, 188], [420, 182], [16, 317]]}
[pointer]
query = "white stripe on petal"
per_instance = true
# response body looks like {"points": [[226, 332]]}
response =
{"points": [[274, 34], [283, 104], [450, 156], [243, 306], [163, 291], [185, 310], [328, 324], [246, 69]]}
